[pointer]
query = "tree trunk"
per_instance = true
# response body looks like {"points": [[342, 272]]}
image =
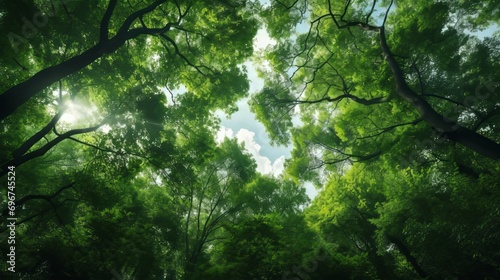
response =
{"points": [[452, 130], [406, 253]]}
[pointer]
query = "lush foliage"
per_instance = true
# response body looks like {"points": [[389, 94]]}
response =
{"points": [[108, 114]]}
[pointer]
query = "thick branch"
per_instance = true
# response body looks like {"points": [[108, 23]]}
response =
{"points": [[363, 101], [105, 21], [406, 253], [43, 150], [371, 11], [19, 94], [29, 197], [37, 136], [449, 128]]}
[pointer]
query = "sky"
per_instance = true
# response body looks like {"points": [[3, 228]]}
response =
{"points": [[243, 125]]}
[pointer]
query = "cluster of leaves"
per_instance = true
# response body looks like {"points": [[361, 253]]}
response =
{"points": [[132, 183], [398, 126]]}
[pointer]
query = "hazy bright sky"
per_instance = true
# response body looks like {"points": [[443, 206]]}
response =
{"points": [[243, 125]]}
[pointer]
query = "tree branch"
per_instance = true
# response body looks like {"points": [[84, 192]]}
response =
{"points": [[449, 128], [103, 36], [41, 151], [29, 197], [407, 254], [130, 19], [371, 11], [37, 136], [386, 129], [16, 96], [177, 51]]}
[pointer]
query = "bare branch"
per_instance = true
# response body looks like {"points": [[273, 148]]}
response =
{"points": [[29, 197], [287, 7], [37, 136], [177, 51], [371, 11], [346, 7], [130, 19], [387, 12], [389, 128], [104, 32], [171, 95], [363, 101], [44, 149]]}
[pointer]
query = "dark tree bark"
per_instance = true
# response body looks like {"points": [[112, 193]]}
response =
{"points": [[21, 159], [448, 128], [451, 129], [408, 256], [17, 95], [29, 197]]}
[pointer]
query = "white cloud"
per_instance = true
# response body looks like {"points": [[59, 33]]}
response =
{"points": [[222, 133], [311, 191], [262, 40], [278, 165], [264, 164], [244, 119], [247, 137]]}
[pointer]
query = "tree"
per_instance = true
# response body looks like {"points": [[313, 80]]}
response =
{"points": [[226, 201], [440, 209], [213, 199], [118, 173], [342, 215], [120, 82], [352, 67], [396, 89], [149, 74], [264, 238], [428, 222], [185, 32]]}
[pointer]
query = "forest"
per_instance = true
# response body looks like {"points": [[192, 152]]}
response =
{"points": [[111, 167]]}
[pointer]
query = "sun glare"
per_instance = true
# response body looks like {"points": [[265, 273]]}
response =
{"points": [[76, 112], [71, 114]]}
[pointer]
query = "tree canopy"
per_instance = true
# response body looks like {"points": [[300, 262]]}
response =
{"points": [[111, 166]]}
